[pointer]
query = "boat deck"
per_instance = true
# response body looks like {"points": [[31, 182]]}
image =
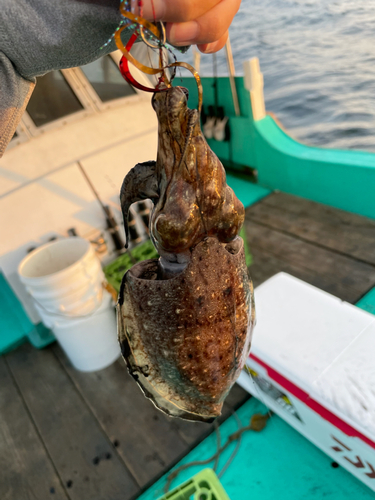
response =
{"points": [[71, 435]]}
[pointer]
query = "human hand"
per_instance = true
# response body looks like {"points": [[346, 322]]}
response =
{"points": [[201, 22]]}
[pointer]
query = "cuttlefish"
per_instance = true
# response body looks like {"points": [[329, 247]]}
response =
{"points": [[185, 320]]}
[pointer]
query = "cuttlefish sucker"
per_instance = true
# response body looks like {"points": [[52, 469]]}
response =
{"points": [[185, 320]]}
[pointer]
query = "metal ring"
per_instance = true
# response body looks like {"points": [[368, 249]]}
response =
{"points": [[146, 69], [160, 42], [137, 64], [195, 73]]}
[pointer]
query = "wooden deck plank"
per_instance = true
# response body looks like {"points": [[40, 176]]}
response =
{"points": [[265, 265], [75, 420], [344, 232], [145, 440], [275, 251], [69, 431], [156, 441], [26, 470]]}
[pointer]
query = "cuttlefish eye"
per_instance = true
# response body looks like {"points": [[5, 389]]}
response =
{"points": [[158, 96], [185, 91]]}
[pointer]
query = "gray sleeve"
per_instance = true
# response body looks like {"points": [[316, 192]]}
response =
{"points": [[15, 93], [38, 36]]}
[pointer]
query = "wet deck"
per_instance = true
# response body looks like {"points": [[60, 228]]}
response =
{"points": [[70, 435]]}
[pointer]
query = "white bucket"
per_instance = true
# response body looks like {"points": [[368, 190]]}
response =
{"points": [[65, 278], [91, 342]]}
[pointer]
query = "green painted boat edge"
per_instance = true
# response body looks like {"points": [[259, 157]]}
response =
{"points": [[247, 192], [15, 325], [339, 178], [367, 302], [14, 322], [343, 179], [276, 463], [40, 336]]}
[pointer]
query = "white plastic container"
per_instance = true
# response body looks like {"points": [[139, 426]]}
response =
{"points": [[90, 342], [312, 363], [65, 278]]}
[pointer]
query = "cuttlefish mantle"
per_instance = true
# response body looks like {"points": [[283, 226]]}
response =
{"points": [[185, 320]]}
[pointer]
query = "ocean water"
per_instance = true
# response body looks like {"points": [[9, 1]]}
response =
{"points": [[318, 62]]}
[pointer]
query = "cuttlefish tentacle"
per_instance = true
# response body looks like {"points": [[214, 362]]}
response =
{"points": [[186, 319], [139, 184]]}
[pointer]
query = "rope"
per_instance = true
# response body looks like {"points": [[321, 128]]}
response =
{"points": [[257, 424]]}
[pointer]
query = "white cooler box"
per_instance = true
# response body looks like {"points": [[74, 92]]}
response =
{"points": [[312, 362]]}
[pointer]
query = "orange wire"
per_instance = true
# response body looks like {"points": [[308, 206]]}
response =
{"points": [[152, 28]]}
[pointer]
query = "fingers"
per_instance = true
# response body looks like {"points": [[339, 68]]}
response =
{"points": [[210, 48], [176, 11], [201, 22], [209, 28]]}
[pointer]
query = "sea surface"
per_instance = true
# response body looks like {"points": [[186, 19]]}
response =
{"points": [[318, 62]]}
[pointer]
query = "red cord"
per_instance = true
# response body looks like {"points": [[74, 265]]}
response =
{"points": [[153, 10], [124, 69]]}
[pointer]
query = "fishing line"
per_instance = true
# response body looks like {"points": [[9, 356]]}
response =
{"points": [[235, 451], [199, 205], [214, 61], [218, 445], [149, 57]]}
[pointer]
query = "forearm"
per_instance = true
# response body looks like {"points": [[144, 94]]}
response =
{"points": [[38, 36], [15, 92]]}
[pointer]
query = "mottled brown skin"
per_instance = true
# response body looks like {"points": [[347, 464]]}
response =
{"points": [[185, 320], [193, 199], [186, 339]]}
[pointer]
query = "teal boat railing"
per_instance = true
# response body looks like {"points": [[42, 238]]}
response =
{"points": [[342, 179]]}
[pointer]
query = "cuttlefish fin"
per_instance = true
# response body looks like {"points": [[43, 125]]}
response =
{"points": [[140, 183]]}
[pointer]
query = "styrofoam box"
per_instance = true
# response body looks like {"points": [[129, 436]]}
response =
{"points": [[312, 362]]}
